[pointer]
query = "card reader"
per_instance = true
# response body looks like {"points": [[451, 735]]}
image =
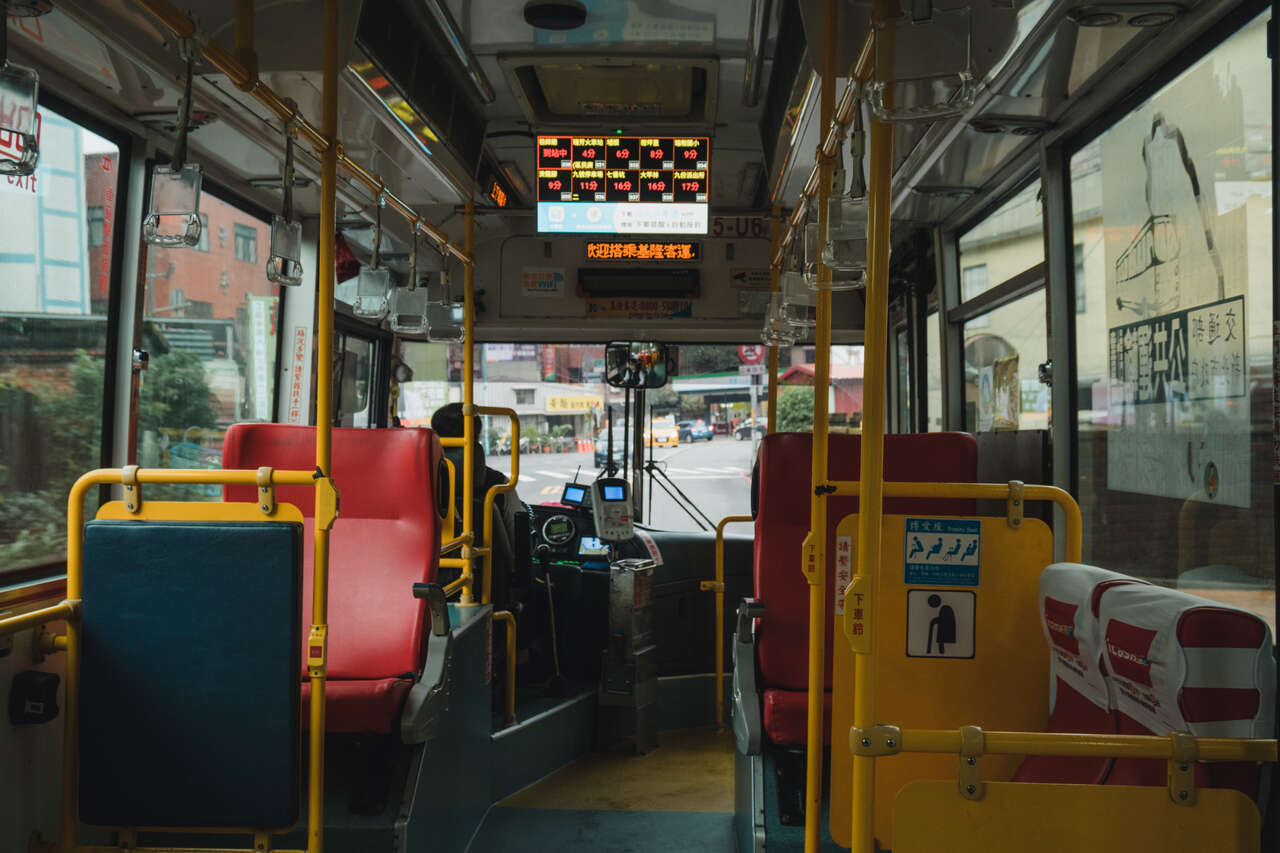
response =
{"points": [[611, 507]]}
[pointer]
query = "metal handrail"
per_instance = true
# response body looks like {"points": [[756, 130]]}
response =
{"points": [[509, 619], [717, 586], [486, 588], [983, 491], [245, 79], [1089, 745], [69, 610]]}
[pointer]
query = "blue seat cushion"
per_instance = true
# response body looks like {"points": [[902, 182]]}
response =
{"points": [[189, 703]]}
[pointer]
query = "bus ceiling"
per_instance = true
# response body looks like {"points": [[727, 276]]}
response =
{"points": [[444, 101]]}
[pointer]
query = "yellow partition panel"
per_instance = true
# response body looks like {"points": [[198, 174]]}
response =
{"points": [[931, 816], [984, 663]]}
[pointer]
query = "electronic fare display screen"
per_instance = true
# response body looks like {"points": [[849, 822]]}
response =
{"points": [[613, 493], [574, 495], [623, 184], [590, 546]]}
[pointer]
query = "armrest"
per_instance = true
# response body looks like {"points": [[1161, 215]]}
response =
{"points": [[749, 610], [436, 606], [428, 699]]}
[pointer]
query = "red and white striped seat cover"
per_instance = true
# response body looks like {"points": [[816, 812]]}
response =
{"points": [[1081, 701], [1177, 662]]}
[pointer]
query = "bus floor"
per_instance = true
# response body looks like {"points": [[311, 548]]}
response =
{"points": [[677, 797]]}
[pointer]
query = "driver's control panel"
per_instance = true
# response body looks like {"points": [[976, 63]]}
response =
{"points": [[611, 508]]}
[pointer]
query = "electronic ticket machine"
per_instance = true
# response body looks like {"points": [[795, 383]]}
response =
{"points": [[629, 675]]}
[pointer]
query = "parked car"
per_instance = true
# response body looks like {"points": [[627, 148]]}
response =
{"points": [[665, 433], [692, 431], [602, 444], [746, 429]]}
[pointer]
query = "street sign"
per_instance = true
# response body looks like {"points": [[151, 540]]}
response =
{"points": [[751, 369], [751, 353]]}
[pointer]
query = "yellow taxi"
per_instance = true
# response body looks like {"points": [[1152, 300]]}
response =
{"points": [[665, 433]]}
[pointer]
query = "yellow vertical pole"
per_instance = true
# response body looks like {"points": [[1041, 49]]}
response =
{"points": [[468, 404], [324, 420], [871, 487], [775, 235], [815, 549]]}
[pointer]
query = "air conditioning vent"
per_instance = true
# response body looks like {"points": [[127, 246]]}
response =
{"points": [[659, 90]]}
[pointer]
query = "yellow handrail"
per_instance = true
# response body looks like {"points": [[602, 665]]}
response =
{"points": [[814, 549], [75, 591], [321, 141], [455, 543], [982, 491], [775, 220], [1089, 745], [486, 588], [450, 517], [65, 610], [506, 616], [468, 410], [717, 586]]}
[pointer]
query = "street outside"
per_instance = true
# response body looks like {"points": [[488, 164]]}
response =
{"points": [[716, 475]]}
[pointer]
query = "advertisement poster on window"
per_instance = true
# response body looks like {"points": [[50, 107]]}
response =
{"points": [[1177, 225], [1007, 406]]}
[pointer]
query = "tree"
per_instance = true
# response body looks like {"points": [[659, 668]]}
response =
{"points": [[176, 394], [795, 408]]}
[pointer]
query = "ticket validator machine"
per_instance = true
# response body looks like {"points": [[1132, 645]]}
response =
{"points": [[629, 676]]}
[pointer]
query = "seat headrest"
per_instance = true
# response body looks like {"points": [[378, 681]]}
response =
{"points": [[1179, 662], [1069, 593]]}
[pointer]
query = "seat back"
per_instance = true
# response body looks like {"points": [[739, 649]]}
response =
{"points": [[188, 700], [1070, 594], [782, 520], [386, 538], [1178, 662]]}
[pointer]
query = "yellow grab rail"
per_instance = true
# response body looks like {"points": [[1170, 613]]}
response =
{"points": [[486, 588], [320, 140], [1088, 745], [326, 511], [450, 516], [813, 551], [984, 491], [68, 610], [507, 617], [717, 586]]}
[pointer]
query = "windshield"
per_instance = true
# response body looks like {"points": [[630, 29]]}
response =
{"points": [[707, 422]]}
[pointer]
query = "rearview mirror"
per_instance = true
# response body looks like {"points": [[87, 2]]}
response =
{"points": [[638, 365]]}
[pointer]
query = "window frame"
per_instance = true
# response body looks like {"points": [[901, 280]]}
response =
{"points": [[125, 143], [247, 236]]}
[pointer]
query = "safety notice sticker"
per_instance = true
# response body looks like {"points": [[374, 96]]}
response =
{"points": [[941, 623], [942, 552]]}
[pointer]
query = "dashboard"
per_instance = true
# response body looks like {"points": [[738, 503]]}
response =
{"points": [[570, 535]]}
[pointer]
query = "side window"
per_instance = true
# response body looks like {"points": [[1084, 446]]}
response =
{"points": [[1004, 335], [210, 327], [56, 231], [1173, 210]]}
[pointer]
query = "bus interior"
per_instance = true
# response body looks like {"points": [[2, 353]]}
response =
{"points": [[638, 425]]}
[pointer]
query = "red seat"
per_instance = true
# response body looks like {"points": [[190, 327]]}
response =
{"points": [[1178, 662], [1070, 595], [386, 538], [782, 520], [786, 716]]}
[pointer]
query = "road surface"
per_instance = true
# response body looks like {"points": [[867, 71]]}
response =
{"points": [[716, 476]]}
